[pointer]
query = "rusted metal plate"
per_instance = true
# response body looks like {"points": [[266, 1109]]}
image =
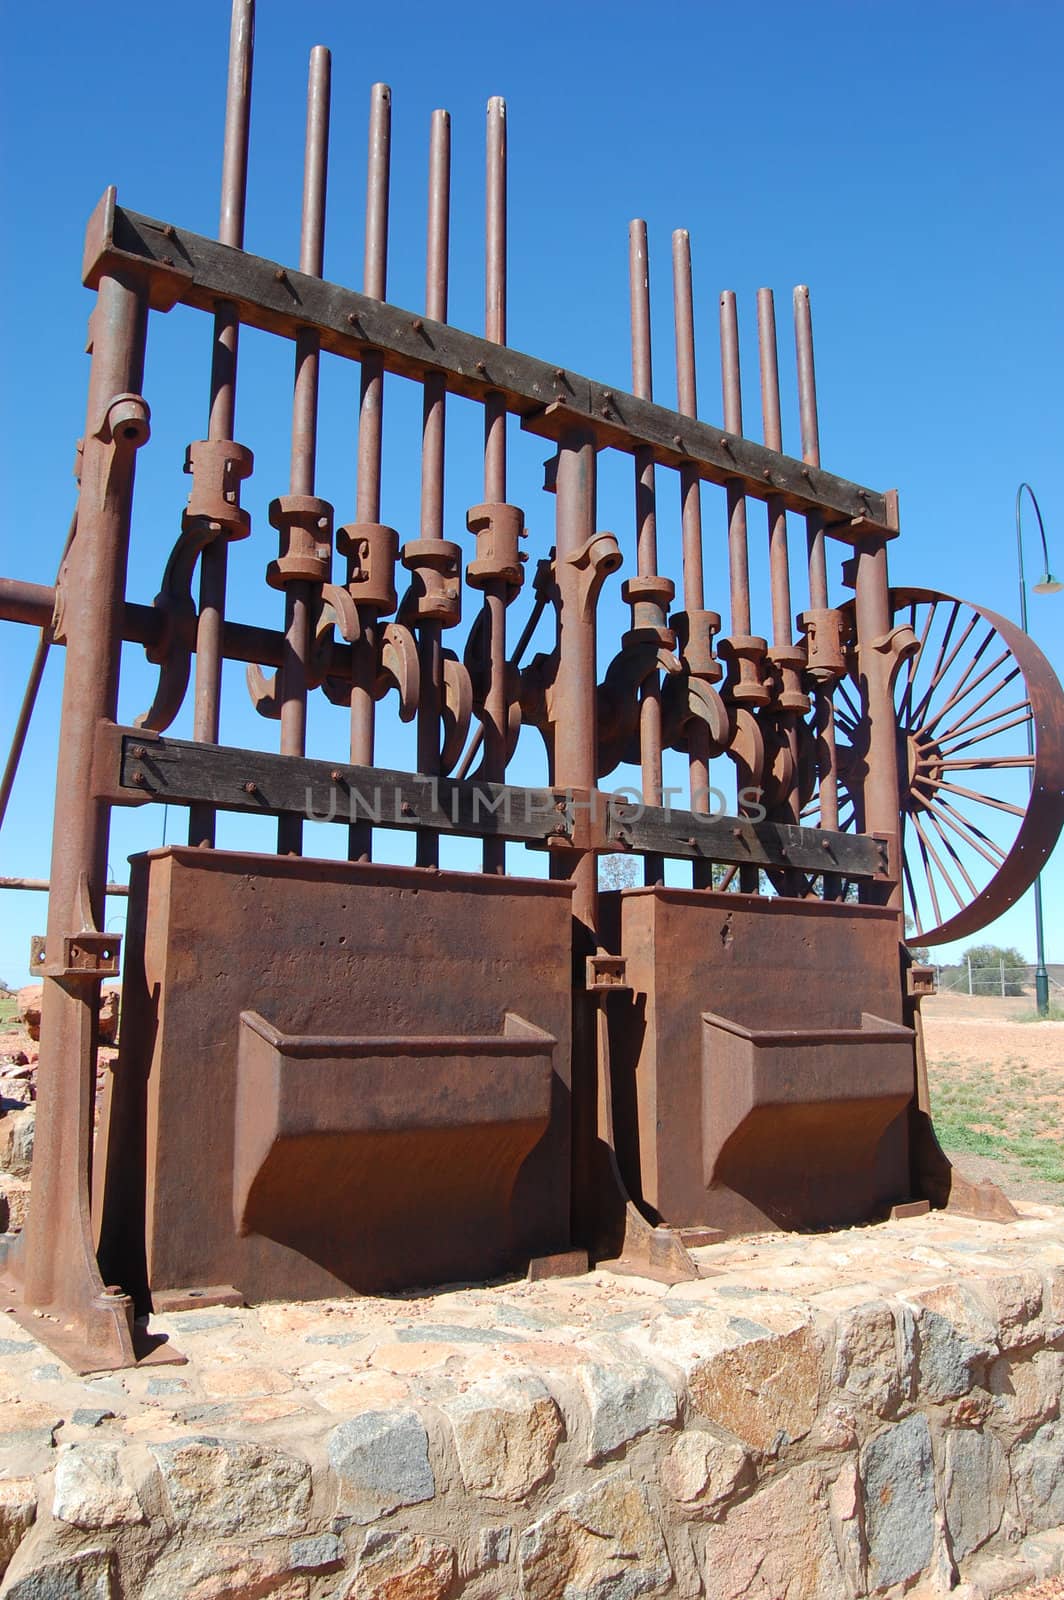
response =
{"points": [[353, 951], [782, 968]]}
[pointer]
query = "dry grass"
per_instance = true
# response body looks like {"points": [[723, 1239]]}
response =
{"points": [[997, 1091]]}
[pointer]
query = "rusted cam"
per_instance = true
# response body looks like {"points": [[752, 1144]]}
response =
{"points": [[789, 1112], [377, 1194], [388, 1160]]}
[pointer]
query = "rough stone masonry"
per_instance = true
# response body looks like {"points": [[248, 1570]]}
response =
{"points": [[870, 1412]]}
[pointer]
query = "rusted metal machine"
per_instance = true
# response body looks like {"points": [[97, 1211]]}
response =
{"points": [[360, 1075]]}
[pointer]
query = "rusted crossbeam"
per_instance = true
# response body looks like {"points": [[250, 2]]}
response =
{"points": [[187, 268], [132, 767]]}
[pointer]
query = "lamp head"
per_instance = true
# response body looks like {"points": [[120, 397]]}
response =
{"points": [[1047, 584]]}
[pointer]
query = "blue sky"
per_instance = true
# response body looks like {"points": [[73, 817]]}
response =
{"points": [[903, 160]]}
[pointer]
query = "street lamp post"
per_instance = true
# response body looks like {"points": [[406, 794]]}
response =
{"points": [[1047, 584]]}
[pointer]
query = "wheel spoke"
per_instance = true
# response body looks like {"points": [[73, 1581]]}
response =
{"points": [[943, 647], [962, 694], [951, 847], [841, 689], [916, 658], [969, 629], [963, 730], [983, 799], [951, 886], [927, 875], [986, 763], [914, 905], [970, 832]]}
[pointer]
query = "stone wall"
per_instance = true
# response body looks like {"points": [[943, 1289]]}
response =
{"points": [[868, 1412]]}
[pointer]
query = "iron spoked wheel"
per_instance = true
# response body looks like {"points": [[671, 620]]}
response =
{"points": [[980, 762]]}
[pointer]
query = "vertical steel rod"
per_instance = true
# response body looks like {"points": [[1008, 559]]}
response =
{"points": [[214, 561], [299, 596], [691, 515], [827, 762], [496, 708], [646, 523], [370, 424], [434, 418], [738, 555], [779, 561]]}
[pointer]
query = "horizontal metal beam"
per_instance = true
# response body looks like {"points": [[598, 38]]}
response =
{"points": [[133, 767], [550, 400], [42, 886]]}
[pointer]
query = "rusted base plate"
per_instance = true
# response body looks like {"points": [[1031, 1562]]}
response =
{"points": [[166, 1301], [149, 1349], [910, 1208], [567, 1264]]}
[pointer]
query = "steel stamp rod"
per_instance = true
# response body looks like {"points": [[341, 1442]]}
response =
{"points": [[299, 595], [782, 650], [691, 512], [214, 561], [370, 426], [816, 543], [738, 551], [496, 707], [433, 439], [646, 522]]}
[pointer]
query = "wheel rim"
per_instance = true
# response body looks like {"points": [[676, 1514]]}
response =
{"points": [[980, 810]]}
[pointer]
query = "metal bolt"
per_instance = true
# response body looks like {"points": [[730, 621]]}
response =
{"points": [[825, 844], [353, 318], [767, 475], [805, 472], [725, 442], [482, 366], [559, 373], [140, 779], [138, 752], [336, 775], [417, 325], [406, 809], [280, 276], [677, 441], [251, 787], [737, 833]]}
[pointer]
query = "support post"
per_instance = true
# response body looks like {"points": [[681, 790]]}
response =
{"points": [[54, 1261]]}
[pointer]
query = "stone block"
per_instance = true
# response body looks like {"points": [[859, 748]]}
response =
{"points": [[319, 1552], [604, 1543], [18, 1509], [1026, 1392], [90, 1489], [382, 1459], [975, 1485], [1014, 1301], [703, 1472], [623, 1403], [955, 1340], [778, 1545], [1038, 1470], [88, 1575], [867, 1361], [230, 1486], [766, 1390], [897, 1476], [506, 1430], [401, 1566]]}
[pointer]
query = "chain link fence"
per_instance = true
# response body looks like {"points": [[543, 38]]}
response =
{"points": [[998, 979]]}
